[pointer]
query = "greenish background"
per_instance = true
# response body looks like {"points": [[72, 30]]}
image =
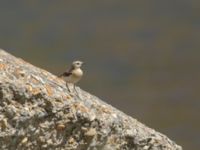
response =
{"points": [[142, 57]]}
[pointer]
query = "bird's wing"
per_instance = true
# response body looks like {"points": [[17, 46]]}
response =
{"points": [[67, 73]]}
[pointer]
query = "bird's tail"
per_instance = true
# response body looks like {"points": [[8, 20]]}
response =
{"points": [[60, 75]]}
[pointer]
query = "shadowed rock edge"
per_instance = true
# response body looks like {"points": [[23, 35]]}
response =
{"points": [[38, 112]]}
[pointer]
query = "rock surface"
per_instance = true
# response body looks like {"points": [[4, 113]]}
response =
{"points": [[37, 112]]}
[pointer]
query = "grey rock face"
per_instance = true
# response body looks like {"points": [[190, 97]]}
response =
{"points": [[37, 112]]}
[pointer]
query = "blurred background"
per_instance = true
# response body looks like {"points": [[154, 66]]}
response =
{"points": [[142, 57]]}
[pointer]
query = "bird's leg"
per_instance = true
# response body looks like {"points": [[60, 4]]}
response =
{"points": [[75, 89], [68, 88]]}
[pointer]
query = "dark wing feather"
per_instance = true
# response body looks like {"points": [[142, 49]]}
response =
{"points": [[67, 73]]}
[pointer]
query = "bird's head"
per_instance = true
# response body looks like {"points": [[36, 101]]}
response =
{"points": [[77, 64]]}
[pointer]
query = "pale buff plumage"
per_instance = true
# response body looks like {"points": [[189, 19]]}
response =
{"points": [[74, 74]]}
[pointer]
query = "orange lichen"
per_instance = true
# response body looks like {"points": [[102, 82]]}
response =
{"points": [[36, 91], [60, 126], [106, 110], [68, 97], [49, 90], [2, 66], [19, 73], [29, 87], [35, 81], [81, 107]]}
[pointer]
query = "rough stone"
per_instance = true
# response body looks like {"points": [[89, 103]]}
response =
{"points": [[37, 112]]}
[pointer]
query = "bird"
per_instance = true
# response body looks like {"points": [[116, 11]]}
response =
{"points": [[73, 74]]}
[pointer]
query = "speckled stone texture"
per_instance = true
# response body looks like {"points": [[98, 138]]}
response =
{"points": [[37, 112]]}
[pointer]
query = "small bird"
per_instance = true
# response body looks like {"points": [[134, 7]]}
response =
{"points": [[73, 74]]}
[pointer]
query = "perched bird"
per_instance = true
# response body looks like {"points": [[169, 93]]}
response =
{"points": [[73, 74]]}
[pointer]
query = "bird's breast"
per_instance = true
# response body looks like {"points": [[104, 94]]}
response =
{"points": [[77, 73], [74, 77]]}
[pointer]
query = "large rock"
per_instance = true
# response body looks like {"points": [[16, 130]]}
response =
{"points": [[38, 112]]}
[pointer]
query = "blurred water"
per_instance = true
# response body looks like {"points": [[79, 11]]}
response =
{"points": [[141, 56]]}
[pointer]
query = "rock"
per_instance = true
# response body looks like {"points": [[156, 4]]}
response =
{"points": [[91, 132], [38, 112]]}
